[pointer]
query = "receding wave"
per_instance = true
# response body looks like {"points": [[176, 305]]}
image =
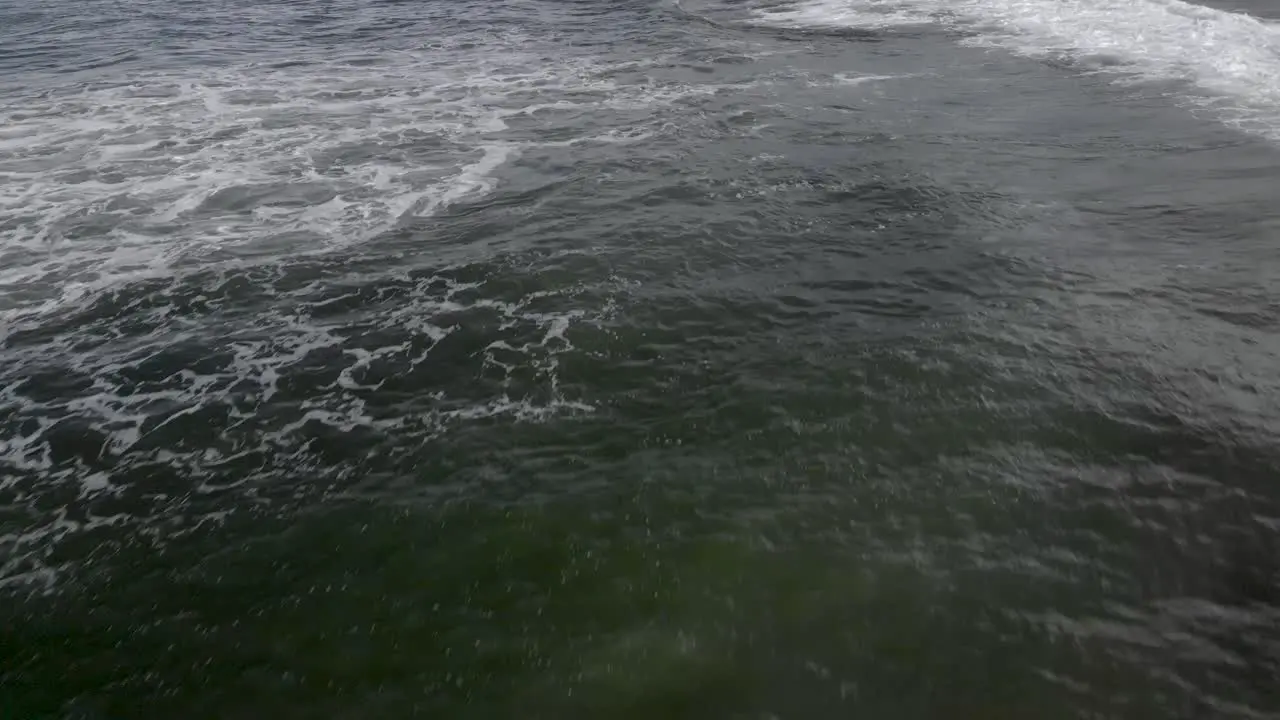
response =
{"points": [[1228, 62]]}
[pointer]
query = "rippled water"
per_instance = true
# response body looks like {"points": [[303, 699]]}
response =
{"points": [[634, 358]]}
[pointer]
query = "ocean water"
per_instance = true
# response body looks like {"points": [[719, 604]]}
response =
{"points": [[639, 359]]}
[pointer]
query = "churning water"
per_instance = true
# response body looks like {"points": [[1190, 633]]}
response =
{"points": [[639, 358]]}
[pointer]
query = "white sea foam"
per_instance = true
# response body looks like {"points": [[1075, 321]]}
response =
{"points": [[1229, 61], [103, 184], [196, 178], [127, 210], [130, 423], [836, 14]]}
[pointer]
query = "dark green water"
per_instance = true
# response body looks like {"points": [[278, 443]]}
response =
{"points": [[628, 360]]}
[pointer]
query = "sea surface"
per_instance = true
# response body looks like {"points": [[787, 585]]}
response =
{"points": [[759, 359]]}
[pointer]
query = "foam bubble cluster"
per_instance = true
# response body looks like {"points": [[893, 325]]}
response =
{"points": [[205, 287]]}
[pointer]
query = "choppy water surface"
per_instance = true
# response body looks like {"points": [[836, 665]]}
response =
{"points": [[632, 358]]}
